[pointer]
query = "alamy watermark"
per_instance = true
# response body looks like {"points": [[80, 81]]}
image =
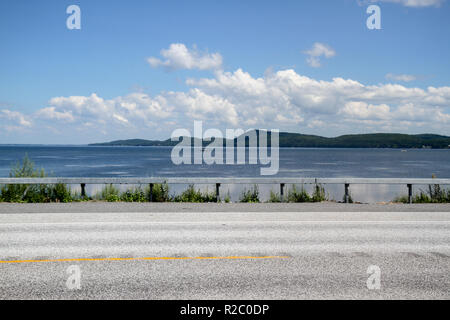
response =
{"points": [[74, 20], [374, 280], [74, 280], [213, 153], [374, 20]]}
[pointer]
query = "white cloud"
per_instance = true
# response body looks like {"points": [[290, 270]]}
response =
{"points": [[282, 100], [17, 117], [315, 123], [363, 110], [196, 104], [178, 56], [401, 77], [51, 113], [409, 111], [137, 108], [91, 105], [318, 50], [120, 118], [278, 98]]}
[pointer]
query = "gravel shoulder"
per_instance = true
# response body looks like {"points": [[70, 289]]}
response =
{"points": [[93, 206]]}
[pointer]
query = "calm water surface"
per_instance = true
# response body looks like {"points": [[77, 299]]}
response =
{"points": [[84, 161]]}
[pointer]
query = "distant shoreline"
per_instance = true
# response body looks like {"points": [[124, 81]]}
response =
{"points": [[297, 140], [143, 146]]}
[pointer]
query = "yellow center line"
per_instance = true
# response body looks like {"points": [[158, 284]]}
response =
{"points": [[146, 258]]}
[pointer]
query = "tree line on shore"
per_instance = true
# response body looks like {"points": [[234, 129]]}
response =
{"points": [[297, 140]]}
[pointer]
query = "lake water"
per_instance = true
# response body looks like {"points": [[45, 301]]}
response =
{"points": [[84, 161]]}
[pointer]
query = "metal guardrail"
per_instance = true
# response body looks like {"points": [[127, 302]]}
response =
{"points": [[218, 181]]}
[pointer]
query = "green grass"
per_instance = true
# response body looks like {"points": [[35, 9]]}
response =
{"points": [[274, 197], [160, 193], [296, 196], [134, 195], [434, 195], [250, 196], [193, 195], [227, 198], [33, 193], [110, 193], [319, 194]]}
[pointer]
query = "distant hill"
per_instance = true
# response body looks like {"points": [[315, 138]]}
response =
{"points": [[137, 142], [291, 140]]}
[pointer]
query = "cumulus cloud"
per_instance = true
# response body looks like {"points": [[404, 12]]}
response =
{"points": [[280, 97], [52, 113], [196, 104], [282, 100], [318, 50], [178, 56], [16, 117], [136, 107], [363, 110], [401, 77]]}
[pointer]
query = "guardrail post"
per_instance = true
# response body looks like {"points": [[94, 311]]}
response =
{"points": [[282, 192], [151, 192], [347, 195], [83, 190], [217, 192], [409, 193]]}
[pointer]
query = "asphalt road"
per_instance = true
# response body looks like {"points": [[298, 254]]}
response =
{"points": [[224, 255]]}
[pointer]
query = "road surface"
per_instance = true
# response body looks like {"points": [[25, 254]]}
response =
{"points": [[224, 255]]}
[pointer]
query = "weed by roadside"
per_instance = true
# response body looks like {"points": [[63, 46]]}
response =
{"points": [[30, 193], [250, 195]]}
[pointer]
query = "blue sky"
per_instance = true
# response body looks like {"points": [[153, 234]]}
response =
{"points": [[245, 65]]}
